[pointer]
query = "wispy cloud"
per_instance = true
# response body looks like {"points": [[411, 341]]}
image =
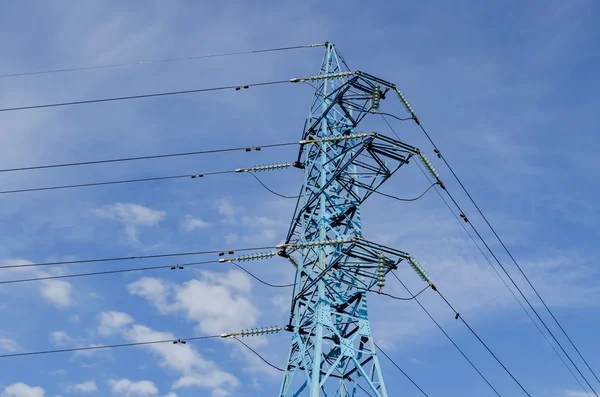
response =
{"points": [[86, 387], [191, 223], [112, 322], [59, 293], [8, 345], [216, 302], [132, 217], [60, 338], [23, 390], [227, 210], [194, 369], [130, 388]]}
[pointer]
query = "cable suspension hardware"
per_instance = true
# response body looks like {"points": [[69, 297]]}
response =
{"points": [[270, 167], [381, 270], [253, 332], [318, 243], [336, 138], [321, 77], [431, 169], [405, 103], [250, 257], [376, 98], [418, 269]]}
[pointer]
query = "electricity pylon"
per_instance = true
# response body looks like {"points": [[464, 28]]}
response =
{"points": [[332, 350]]}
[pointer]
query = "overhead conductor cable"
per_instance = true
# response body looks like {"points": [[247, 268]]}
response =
{"points": [[434, 174], [189, 58]]}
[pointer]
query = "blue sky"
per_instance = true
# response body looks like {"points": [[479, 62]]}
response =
{"points": [[507, 90]]}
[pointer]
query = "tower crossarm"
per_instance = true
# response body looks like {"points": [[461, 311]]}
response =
{"points": [[358, 168], [362, 262]]}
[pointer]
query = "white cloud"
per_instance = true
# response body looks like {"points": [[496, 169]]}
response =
{"points": [[132, 216], [220, 393], [86, 387], [8, 345], [23, 390], [154, 290], [215, 308], [226, 209], [264, 236], [572, 393], [172, 394], [195, 370], [112, 322], [217, 302], [60, 338], [89, 352], [264, 229], [281, 303], [190, 223], [132, 388], [57, 292], [58, 372], [263, 221]]}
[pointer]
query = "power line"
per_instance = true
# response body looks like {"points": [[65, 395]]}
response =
{"points": [[400, 369], [482, 342], [152, 179], [126, 258], [259, 280], [137, 269], [398, 297], [124, 159], [123, 98], [520, 291], [178, 266], [498, 274], [508, 287], [448, 336], [269, 189], [259, 356], [437, 151], [394, 116], [114, 65], [405, 199], [76, 349], [138, 180]]}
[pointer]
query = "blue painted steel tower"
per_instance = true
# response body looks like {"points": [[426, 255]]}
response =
{"points": [[332, 350]]}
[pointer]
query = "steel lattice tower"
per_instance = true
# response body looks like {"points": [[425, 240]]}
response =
{"points": [[332, 350]]}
